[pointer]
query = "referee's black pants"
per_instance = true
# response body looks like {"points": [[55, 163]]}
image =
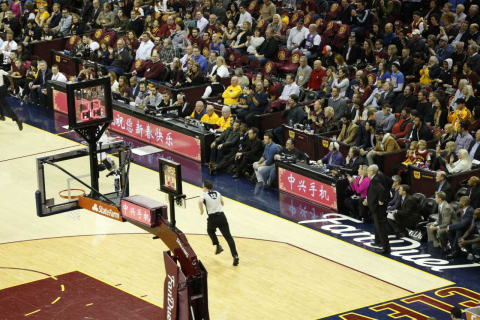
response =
{"points": [[218, 220], [4, 105]]}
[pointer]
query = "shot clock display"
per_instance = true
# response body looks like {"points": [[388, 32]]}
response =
{"points": [[89, 103], [170, 177]]}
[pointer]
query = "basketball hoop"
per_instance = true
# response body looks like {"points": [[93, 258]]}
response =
{"points": [[80, 193]]}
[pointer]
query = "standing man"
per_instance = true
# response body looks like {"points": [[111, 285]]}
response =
{"points": [[216, 218], [376, 202], [3, 102]]}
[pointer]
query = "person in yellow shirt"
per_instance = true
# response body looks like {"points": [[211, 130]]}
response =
{"points": [[232, 93], [210, 117], [223, 122], [461, 114]]}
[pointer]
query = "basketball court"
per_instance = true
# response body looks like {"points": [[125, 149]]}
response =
{"points": [[50, 266]]}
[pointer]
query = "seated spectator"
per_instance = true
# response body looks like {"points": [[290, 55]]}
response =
{"points": [[474, 191], [267, 50], [334, 157], [232, 93], [464, 138], [19, 72], [367, 143], [462, 164], [385, 119], [327, 82], [309, 46], [443, 185], [242, 79], [220, 69], [440, 113], [396, 199], [121, 24], [210, 116], [196, 78], [474, 148], [457, 230], [266, 164], [39, 84], [338, 104], [459, 115], [165, 102], [225, 121], [437, 231], [304, 72], [33, 34], [363, 89], [215, 88], [297, 35], [407, 100], [224, 145], [121, 58], [257, 102], [397, 77], [143, 94], [430, 72], [419, 131], [144, 51], [349, 131], [249, 154], [154, 99], [353, 160], [340, 81], [475, 122], [199, 111], [403, 124], [375, 95], [387, 97], [385, 143], [293, 113], [217, 46], [240, 43], [78, 25], [105, 54], [201, 60], [359, 186], [134, 88], [65, 23], [447, 156], [407, 217], [152, 69], [289, 89], [326, 122], [316, 77], [471, 239], [42, 16]]}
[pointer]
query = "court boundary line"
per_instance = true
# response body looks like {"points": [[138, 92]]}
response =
{"points": [[34, 154], [245, 238], [261, 211]]}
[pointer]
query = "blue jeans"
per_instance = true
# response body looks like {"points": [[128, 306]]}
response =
{"points": [[263, 173], [119, 71]]}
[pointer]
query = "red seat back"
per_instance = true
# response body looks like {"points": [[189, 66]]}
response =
{"points": [[72, 42], [98, 35]]}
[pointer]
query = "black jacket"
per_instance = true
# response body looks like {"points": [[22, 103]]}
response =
{"points": [[409, 211], [402, 102], [186, 110], [477, 153], [386, 97], [86, 11], [447, 188], [39, 80], [353, 166], [466, 221], [295, 114], [122, 59], [423, 134], [253, 148], [94, 15], [268, 48], [406, 66], [377, 192], [475, 197], [416, 46], [228, 138], [355, 54]]}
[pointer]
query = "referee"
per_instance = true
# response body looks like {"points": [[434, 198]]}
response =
{"points": [[3, 102], [216, 218]]}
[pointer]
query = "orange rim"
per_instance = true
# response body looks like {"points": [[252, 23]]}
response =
{"points": [[71, 197]]}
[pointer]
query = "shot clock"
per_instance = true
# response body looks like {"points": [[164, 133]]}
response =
{"points": [[89, 103]]}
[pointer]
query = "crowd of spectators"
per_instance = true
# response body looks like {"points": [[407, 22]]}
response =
{"points": [[384, 75]]}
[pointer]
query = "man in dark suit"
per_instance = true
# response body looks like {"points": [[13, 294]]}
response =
{"points": [[135, 87], [474, 148], [396, 199], [388, 96], [419, 130], [457, 230], [86, 10], [95, 12], [407, 216], [352, 51], [354, 160], [40, 83], [443, 185], [369, 141], [362, 131], [377, 196], [251, 153]]}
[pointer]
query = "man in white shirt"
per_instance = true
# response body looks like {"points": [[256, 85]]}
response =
{"points": [[7, 46], [145, 49], [290, 88], [297, 35], [187, 56], [201, 22], [57, 75], [245, 16]]}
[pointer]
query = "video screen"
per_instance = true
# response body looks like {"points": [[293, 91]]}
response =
{"points": [[90, 104]]}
